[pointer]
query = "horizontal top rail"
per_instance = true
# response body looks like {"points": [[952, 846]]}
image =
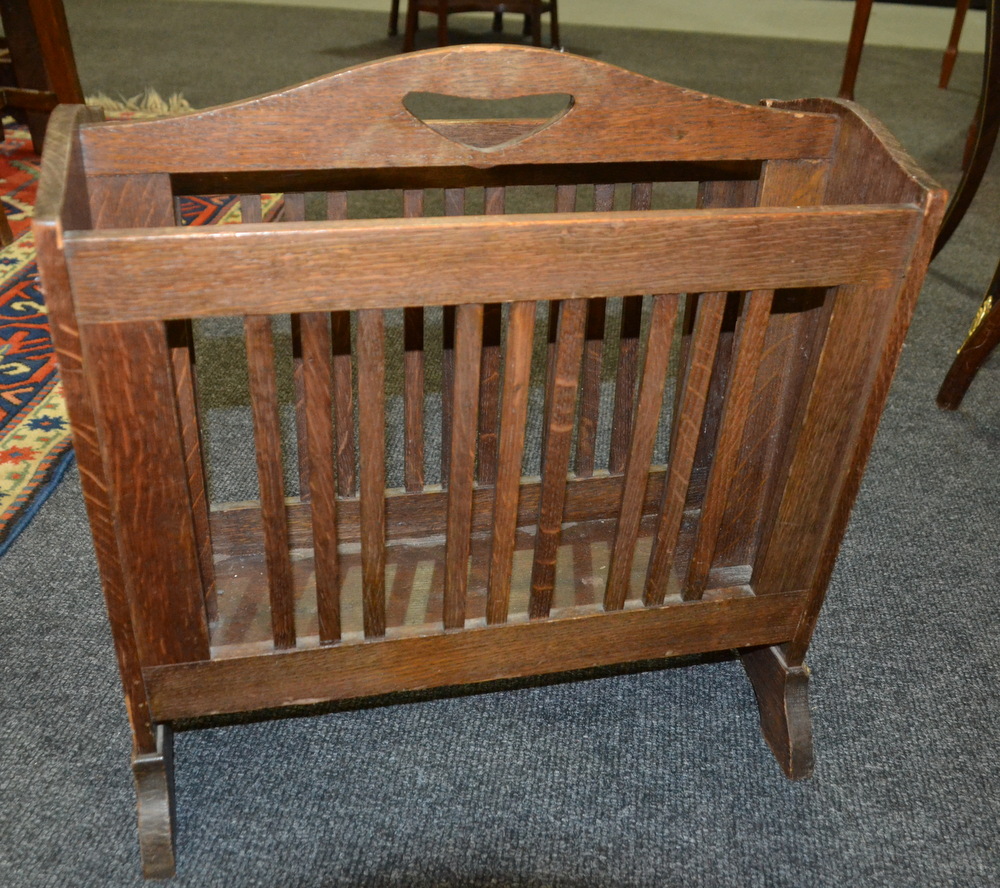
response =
{"points": [[319, 266]]}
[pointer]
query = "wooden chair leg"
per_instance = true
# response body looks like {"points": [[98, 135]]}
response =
{"points": [[394, 18], [498, 22], [536, 23], [951, 53], [42, 58], [410, 28], [987, 126], [154, 785], [978, 345], [554, 25], [855, 44], [443, 23], [783, 699]]}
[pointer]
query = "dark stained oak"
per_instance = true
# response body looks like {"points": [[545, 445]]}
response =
{"points": [[317, 392], [754, 342], [267, 438], [371, 422], [556, 455], [357, 265], [465, 412], [687, 428], [508, 483], [643, 436], [60, 208]]}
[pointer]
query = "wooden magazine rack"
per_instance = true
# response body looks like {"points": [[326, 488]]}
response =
{"points": [[628, 426]]}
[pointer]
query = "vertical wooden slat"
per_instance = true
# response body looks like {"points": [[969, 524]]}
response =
{"points": [[514, 414], [565, 203], [593, 349], [684, 442], [413, 373], [628, 356], [489, 385], [302, 442], [317, 386], [555, 462], [343, 394], [294, 206], [294, 210], [371, 421], [640, 451], [251, 209], [181, 339], [749, 347], [465, 411], [267, 438], [454, 205]]}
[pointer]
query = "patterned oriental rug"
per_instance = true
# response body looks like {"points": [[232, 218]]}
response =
{"points": [[35, 441]]}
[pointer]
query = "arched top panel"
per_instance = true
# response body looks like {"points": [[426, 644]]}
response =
{"points": [[356, 119]]}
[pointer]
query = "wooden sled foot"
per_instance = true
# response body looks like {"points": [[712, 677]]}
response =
{"points": [[783, 698], [154, 787]]}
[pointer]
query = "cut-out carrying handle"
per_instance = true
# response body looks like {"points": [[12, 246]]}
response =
{"points": [[487, 124], [356, 119]]}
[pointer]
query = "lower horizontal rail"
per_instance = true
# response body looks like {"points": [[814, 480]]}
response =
{"points": [[469, 656]]}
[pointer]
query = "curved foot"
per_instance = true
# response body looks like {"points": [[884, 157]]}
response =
{"points": [[154, 786], [783, 698]]}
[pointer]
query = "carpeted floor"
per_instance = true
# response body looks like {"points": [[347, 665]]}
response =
{"points": [[648, 779]]}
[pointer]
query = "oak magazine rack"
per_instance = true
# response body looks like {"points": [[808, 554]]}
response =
{"points": [[521, 394]]}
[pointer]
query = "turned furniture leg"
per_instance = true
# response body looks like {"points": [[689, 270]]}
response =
{"points": [[855, 44], [783, 699], [154, 788], [982, 339], [394, 18], [951, 53]]}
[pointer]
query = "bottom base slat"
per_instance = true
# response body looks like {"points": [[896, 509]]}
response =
{"points": [[474, 655]]}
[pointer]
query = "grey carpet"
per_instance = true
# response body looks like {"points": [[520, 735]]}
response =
{"points": [[644, 779]]}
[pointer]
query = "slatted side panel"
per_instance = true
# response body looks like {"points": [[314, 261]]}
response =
{"points": [[594, 423]]}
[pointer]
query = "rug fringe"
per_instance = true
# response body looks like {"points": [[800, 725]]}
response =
{"points": [[149, 101]]}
